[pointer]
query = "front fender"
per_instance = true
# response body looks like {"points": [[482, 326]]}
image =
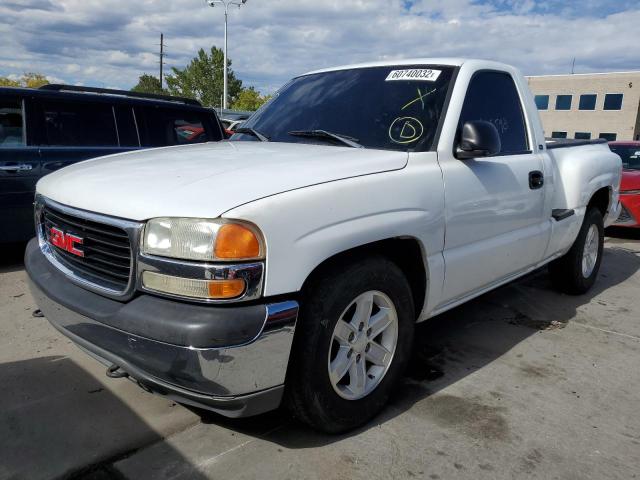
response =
{"points": [[304, 227]]}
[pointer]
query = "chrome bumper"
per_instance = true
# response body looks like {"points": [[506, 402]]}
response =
{"points": [[235, 380]]}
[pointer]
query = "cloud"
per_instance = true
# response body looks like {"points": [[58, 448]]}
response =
{"points": [[112, 42]]}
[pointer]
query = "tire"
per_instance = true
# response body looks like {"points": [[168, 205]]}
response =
{"points": [[338, 293], [569, 273]]}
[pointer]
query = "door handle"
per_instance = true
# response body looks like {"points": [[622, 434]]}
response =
{"points": [[22, 167], [536, 180]]}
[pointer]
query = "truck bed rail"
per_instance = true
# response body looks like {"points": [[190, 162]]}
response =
{"points": [[568, 142]]}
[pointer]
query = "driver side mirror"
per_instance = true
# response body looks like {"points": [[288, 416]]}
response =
{"points": [[479, 138]]}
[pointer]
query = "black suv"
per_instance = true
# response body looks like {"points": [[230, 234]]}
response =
{"points": [[45, 129]]}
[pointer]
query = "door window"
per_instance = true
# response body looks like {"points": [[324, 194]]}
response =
{"points": [[11, 125], [164, 126], [79, 124], [493, 97]]}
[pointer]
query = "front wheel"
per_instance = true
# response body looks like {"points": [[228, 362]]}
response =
{"points": [[576, 272], [352, 344]]}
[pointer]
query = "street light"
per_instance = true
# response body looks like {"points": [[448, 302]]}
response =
{"points": [[226, 3]]}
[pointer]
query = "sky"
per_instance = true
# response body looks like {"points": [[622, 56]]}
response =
{"points": [[109, 43]]}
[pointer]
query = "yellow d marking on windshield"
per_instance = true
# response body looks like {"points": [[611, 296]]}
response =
{"points": [[405, 130]]}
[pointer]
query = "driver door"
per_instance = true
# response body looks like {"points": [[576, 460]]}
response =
{"points": [[495, 224]]}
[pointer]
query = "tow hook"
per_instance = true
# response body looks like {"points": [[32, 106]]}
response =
{"points": [[114, 371]]}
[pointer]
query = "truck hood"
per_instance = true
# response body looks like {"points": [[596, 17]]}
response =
{"points": [[205, 180]]}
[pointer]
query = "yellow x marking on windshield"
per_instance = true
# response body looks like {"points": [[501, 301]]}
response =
{"points": [[420, 98]]}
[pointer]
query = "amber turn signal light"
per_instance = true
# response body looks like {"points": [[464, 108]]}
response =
{"points": [[226, 288], [194, 288], [236, 242]]}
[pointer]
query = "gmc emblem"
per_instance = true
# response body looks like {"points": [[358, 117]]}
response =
{"points": [[66, 241]]}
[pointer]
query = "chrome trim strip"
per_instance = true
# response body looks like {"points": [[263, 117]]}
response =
{"points": [[252, 273], [132, 228]]}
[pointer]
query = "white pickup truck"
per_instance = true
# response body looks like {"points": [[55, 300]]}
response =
{"points": [[290, 264]]}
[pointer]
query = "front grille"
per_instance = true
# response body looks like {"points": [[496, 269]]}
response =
{"points": [[107, 249]]}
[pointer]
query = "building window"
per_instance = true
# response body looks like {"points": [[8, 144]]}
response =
{"points": [[563, 102], [582, 136], [613, 101], [558, 134], [588, 102], [609, 137], [542, 102]]}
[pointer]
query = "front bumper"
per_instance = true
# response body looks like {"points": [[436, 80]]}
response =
{"points": [[229, 359]]}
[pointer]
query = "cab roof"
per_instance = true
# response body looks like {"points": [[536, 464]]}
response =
{"points": [[444, 61]]}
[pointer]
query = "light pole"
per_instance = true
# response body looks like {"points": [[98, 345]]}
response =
{"points": [[225, 3]]}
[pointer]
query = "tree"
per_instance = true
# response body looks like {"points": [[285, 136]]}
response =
{"points": [[202, 79], [149, 84], [29, 79], [7, 82], [250, 99], [34, 80]]}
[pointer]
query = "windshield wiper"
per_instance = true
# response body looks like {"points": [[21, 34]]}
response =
{"points": [[350, 141], [252, 131]]}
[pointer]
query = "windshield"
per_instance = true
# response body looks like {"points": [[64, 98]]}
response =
{"points": [[391, 108], [630, 156]]}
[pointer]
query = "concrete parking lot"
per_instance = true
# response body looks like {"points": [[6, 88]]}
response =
{"points": [[521, 383]]}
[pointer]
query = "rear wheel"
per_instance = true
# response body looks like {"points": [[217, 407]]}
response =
{"points": [[576, 271], [352, 344]]}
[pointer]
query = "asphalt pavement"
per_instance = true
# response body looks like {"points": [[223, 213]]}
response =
{"points": [[523, 382]]}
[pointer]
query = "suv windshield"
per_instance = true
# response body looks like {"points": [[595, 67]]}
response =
{"points": [[391, 108], [630, 156]]}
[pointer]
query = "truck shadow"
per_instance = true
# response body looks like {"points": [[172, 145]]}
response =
{"points": [[623, 233], [12, 257], [58, 421], [460, 342]]}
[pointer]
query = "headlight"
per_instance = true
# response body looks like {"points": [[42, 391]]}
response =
{"points": [[202, 239]]}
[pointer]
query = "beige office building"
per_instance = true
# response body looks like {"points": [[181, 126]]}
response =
{"points": [[588, 106]]}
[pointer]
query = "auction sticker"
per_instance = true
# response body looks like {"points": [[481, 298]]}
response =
{"points": [[419, 74]]}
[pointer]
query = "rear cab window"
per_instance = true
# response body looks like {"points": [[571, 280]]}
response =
{"points": [[12, 132], [492, 96]]}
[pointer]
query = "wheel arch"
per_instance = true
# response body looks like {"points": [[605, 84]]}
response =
{"points": [[407, 253], [601, 199]]}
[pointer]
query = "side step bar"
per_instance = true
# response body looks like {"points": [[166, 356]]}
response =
{"points": [[560, 214]]}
